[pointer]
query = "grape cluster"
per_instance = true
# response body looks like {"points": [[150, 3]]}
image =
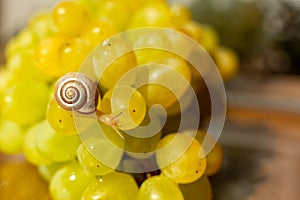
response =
{"points": [[32, 120]]}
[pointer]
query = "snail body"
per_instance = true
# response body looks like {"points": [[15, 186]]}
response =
{"points": [[76, 92]]}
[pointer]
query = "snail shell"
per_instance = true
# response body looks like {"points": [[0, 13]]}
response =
{"points": [[76, 92]]}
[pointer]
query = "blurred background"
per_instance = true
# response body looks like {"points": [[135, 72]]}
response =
{"points": [[261, 136]]}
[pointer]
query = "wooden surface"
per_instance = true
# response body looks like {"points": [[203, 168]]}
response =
{"points": [[261, 139]]}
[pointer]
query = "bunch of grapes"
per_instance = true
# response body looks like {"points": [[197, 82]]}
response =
{"points": [[50, 51]]}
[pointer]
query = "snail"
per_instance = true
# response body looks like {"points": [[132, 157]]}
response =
{"points": [[76, 92]]}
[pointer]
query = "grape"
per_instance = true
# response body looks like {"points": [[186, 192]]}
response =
{"points": [[191, 28], [156, 14], [177, 163], [69, 182], [209, 38], [180, 14], [159, 187], [69, 17], [116, 186], [25, 102], [175, 76], [96, 31], [90, 163], [55, 146], [60, 119], [25, 39], [92, 6], [23, 67], [201, 189], [215, 157], [11, 136], [127, 102], [72, 53], [30, 150], [47, 171], [227, 61], [117, 11], [41, 25], [47, 55], [108, 72]]}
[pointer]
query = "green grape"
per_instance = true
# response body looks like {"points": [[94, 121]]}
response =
{"points": [[69, 17], [72, 53], [47, 55], [23, 67], [69, 182], [41, 25], [47, 171], [201, 189], [11, 136], [112, 72], [60, 119], [159, 187], [30, 150], [127, 104], [55, 146], [25, 39], [180, 14], [116, 186], [215, 157], [96, 31], [25, 102], [227, 61], [90, 163], [177, 81], [156, 14], [117, 11], [177, 163]]}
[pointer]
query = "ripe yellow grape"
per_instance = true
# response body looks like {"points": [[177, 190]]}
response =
{"points": [[159, 187], [127, 101], [114, 186], [25, 39], [25, 102], [189, 167], [108, 66], [69, 182], [47, 55], [90, 163], [201, 189], [55, 146], [41, 25], [47, 171], [11, 137], [72, 53], [215, 157], [60, 119], [30, 150], [180, 14], [227, 62], [23, 67], [117, 11], [156, 14], [96, 31], [176, 81], [69, 17]]}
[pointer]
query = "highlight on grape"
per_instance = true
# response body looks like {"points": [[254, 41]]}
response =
{"points": [[114, 99]]}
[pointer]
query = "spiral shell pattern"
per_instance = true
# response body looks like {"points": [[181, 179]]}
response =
{"points": [[76, 92]]}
